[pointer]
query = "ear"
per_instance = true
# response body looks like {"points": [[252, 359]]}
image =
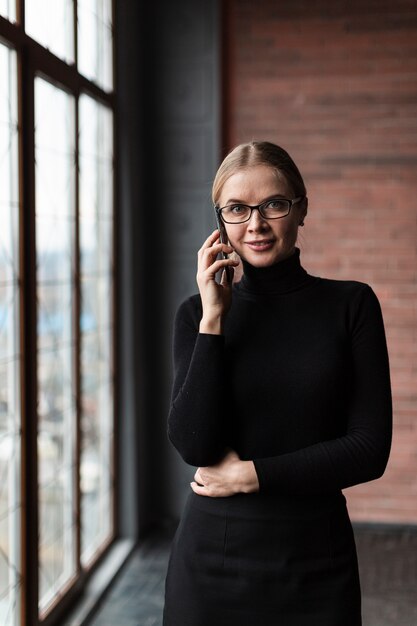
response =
{"points": [[304, 208]]}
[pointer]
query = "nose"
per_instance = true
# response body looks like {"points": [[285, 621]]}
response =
{"points": [[257, 222]]}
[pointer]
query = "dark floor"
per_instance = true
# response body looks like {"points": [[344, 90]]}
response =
{"points": [[387, 561]]}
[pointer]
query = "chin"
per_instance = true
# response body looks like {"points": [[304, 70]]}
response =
{"points": [[257, 262], [266, 260]]}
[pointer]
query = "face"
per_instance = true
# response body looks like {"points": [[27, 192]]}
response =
{"points": [[259, 241]]}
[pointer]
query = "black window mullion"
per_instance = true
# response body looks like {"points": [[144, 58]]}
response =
{"points": [[20, 13], [29, 415], [77, 294], [77, 317], [76, 34]]}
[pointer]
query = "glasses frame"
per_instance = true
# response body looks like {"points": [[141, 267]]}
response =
{"points": [[258, 207]]}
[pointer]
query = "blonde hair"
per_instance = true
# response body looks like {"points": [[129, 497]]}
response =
{"points": [[258, 153]]}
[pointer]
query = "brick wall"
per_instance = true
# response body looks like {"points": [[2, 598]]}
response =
{"points": [[335, 83]]}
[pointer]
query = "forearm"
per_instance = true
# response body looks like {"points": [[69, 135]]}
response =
{"points": [[328, 466], [196, 421]]}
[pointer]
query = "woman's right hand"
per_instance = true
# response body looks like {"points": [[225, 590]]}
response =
{"points": [[216, 297]]}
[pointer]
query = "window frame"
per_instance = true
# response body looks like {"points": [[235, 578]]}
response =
{"points": [[34, 60]]}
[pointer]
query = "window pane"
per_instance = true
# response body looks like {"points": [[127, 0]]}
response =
{"points": [[95, 41], [51, 23], [55, 176], [96, 235], [10, 505], [8, 9]]}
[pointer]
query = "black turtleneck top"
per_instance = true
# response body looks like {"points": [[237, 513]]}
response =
{"points": [[299, 381]]}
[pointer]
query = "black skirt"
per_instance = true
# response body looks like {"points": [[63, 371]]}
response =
{"points": [[257, 560]]}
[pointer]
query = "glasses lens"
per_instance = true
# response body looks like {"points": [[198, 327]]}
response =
{"points": [[236, 213], [270, 210], [275, 208]]}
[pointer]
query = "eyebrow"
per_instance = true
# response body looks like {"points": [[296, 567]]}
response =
{"points": [[274, 195]]}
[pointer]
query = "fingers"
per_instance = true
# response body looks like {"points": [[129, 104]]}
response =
{"points": [[206, 256], [210, 241], [208, 482], [215, 235], [212, 269], [212, 491], [197, 485], [198, 479], [215, 296], [227, 276], [198, 489]]}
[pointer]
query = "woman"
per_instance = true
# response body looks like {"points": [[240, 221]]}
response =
{"points": [[282, 399]]}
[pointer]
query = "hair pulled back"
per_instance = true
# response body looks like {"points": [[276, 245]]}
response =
{"points": [[246, 155]]}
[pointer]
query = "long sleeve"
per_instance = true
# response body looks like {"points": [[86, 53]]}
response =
{"points": [[196, 421], [361, 454]]}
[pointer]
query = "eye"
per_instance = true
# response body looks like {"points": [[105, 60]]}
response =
{"points": [[236, 209], [276, 203]]}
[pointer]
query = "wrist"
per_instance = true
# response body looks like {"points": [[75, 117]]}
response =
{"points": [[212, 325], [249, 477]]}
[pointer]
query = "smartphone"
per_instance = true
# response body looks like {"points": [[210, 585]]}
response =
{"points": [[223, 239]]}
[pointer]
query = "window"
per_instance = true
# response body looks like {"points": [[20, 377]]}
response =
{"points": [[56, 354], [96, 193], [56, 334], [95, 41], [51, 23], [10, 358], [8, 9]]}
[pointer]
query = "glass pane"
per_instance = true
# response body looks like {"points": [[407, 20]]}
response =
{"points": [[55, 176], [10, 501], [8, 10], [96, 244], [96, 324], [55, 239], [95, 41], [96, 468], [51, 23], [54, 315], [95, 298]]}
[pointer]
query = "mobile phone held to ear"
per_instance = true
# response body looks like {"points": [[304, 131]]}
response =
{"points": [[223, 239]]}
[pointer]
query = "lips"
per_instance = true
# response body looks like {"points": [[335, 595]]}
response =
{"points": [[260, 245]]}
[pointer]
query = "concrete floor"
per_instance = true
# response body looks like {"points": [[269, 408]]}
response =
{"points": [[387, 561]]}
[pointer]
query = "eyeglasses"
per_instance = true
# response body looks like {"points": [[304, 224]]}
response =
{"points": [[272, 209]]}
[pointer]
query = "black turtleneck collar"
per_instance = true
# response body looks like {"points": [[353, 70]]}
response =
{"points": [[282, 277]]}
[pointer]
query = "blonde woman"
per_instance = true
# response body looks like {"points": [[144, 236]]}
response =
{"points": [[281, 399]]}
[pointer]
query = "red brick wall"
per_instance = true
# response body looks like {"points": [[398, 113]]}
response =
{"points": [[335, 83]]}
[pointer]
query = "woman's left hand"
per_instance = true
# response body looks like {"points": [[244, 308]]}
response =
{"points": [[226, 478]]}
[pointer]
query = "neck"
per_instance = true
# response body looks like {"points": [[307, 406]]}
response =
{"points": [[282, 277]]}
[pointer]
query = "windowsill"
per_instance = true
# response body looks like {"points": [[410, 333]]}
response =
{"points": [[100, 582]]}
